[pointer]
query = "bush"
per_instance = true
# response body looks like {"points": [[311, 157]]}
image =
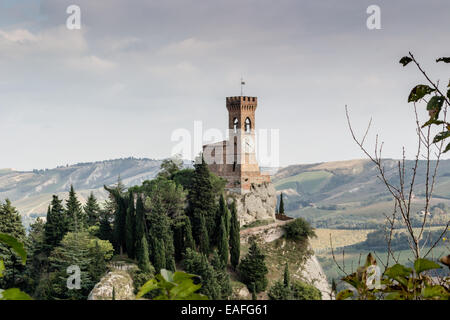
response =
{"points": [[304, 291], [298, 230], [139, 278], [280, 292]]}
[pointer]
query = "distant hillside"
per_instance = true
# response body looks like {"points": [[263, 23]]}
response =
{"points": [[31, 192], [331, 194], [348, 193]]}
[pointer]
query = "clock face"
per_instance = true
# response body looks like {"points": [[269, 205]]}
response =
{"points": [[249, 145]]}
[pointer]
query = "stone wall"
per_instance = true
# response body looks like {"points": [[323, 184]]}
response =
{"points": [[257, 204]]}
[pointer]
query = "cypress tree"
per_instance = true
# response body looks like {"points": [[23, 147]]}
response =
{"points": [[235, 240], [253, 269], [56, 225], [120, 212], [159, 255], [11, 224], [204, 239], [197, 263], [188, 238], [286, 280], [130, 227], [92, 210], [143, 259], [105, 231], [222, 276], [281, 209], [140, 227], [160, 234], [223, 242], [201, 201], [77, 219]]}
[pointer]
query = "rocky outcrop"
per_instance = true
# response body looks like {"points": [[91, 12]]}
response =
{"points": [[257, 204], [278, 251], [312, 273], [122, 283]]}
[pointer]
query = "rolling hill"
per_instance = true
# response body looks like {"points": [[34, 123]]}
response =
{"points": [[343, 194], [349, 193]]}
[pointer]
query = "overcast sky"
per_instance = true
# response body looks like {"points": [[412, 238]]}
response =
{"points": [[138, 70]]}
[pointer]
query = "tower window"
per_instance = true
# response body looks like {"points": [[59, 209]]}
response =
{"points": [[248, 125], [235, 125]]}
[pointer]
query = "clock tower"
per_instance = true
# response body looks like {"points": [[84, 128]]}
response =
{"points": [[237, 162]]}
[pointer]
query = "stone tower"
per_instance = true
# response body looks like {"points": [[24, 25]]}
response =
{"points": [[235, 159]]}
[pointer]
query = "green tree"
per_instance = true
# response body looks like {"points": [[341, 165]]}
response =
{"points": [[130, 227], [118, 197], [143, 257], [299, 230], [203, 244], [253, 269], [286, 276], [92, 210], [56, 226], [188, 238], [158, 253], [169, 167], [201, 202], [235, 240], [195, 262], [105, 231], [77, 219], [280, 292], [223, 242], [79, 249], [37, 262], [11, 224], [281, 207], [160, 234], [222, 276]]}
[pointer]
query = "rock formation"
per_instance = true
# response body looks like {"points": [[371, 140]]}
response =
{"points": [[122, 283], [257, 204]]}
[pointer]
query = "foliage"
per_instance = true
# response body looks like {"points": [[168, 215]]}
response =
{"points": [[198, 263], [281, 207], [57, 224], [92, 210], [130, 227], [223, 242], [304, 291], [88, 253], [253, 269], [222, 276], [397, 283], [435, 105], [140, 277], [17, 247], [293, 290], [172, 286], [76, 217], [235, 240], [169, 167], [298, 230], [12, 236], [201, 203]]}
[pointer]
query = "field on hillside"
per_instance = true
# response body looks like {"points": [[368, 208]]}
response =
{"points": [[350, 258]]}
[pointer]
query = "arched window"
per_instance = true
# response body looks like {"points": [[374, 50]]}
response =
{"points": [[248, 125], [235, 125]]}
